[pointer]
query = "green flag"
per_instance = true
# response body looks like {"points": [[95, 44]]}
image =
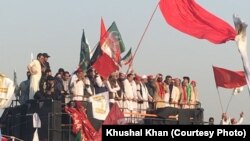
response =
{"points": [[113, 44], [84, 53]]}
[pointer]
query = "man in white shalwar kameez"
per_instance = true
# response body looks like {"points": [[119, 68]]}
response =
{"points": [[36, 72], [143, 95], [78, 85], [175, 97], [113, 87], [128, 95]]}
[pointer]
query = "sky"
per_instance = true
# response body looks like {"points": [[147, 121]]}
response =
{"points": [[56, 27]]}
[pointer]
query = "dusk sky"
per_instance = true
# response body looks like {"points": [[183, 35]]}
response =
{"points": [[56, 27]]}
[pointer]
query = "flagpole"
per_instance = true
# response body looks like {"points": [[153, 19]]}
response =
{"points": [[31, 57], [229, 102], [16, 86], [93, 49], [220, 99], [142, 36]]}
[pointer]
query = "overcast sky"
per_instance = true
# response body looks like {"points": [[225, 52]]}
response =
{"points": [[56, 26]]}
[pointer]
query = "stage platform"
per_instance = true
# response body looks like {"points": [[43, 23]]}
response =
{"points": [[56, 124]]}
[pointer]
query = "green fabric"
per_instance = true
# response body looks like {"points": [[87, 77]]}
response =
{"points": [[115, 32], [84, 54], [188, 92], [78, 136], [127, 57], [96, 55]]}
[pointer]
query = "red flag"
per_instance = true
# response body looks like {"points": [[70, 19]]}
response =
{"points": [[98, 51], [190, 18], [104, 65], [103, 32], [229, 79], [81, 122], [115, 114]]}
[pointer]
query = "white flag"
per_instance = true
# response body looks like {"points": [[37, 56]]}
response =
{"points": [[237, 90], [36, 121], [35, 136], [36, 124]]}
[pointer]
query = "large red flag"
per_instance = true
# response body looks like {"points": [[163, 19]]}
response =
{"points": [[229, 79], [190, 18], [104, 65]]}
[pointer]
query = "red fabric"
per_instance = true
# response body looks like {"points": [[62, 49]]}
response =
{"points": [[229, 79], [107, 41], [4, 139], [81, 122], [184, 93], [103, 35], [98, 136], [129, 61], [112, 43], [115, 114], [161, 89], [104, 65], [190, 18]]}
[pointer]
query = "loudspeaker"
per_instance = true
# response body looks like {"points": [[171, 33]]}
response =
{"points": [[13, 121], [55, 120], [50, 119]]}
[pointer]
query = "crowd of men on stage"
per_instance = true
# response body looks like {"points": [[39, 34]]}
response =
{"points": [[130, 91]]}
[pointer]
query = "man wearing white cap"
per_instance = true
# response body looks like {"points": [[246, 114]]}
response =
{"points": [[143, 94]]}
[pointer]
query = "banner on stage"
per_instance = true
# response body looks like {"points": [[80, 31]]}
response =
{"points": [[100, 105]]}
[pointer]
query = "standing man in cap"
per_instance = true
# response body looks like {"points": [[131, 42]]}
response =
{"points": [[46, 63], [45, 67]]}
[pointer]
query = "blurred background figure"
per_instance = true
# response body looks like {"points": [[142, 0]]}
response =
{"points": [[211, 121], [23, 89]]}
